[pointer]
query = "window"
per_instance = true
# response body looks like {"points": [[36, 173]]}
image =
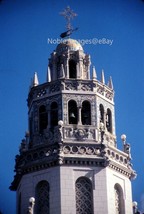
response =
{"points": [[19, 204], [72, 69], [42, 198], [109, 121], [31, 126], [72, 112], [119, 201], [54, 114], [86, 113], [43, 118], [84, 196], [101, 108]]}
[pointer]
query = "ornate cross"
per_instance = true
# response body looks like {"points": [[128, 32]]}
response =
{"points": [[68, 15]]}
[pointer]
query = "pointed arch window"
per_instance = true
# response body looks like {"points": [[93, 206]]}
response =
{"points": [[72, 69], [101, 108], [54, 114], [42, 198], [43, 118], [109, 120], [72, 112], [119, 200], [86, 113], [84, 196]]}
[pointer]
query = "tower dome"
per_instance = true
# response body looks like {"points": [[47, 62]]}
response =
{"points": [[69, 44]]}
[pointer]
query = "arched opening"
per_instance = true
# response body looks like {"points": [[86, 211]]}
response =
{"points": [[43, 118], [109, 120], [119, 200], [42, 198], [84, 196], [72, 69], [54, 114], [72, 112], [86, 113], [101, 108]]}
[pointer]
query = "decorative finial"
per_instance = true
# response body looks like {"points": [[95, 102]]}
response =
{"points": [[35, 80], [48, 78], [126, 146], [123, 138], [68, 14], [31, 205], [110, 83], [102, 77], [94, 74]]}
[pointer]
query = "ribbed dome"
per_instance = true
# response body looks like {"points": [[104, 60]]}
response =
{"points": [[70, 44]]}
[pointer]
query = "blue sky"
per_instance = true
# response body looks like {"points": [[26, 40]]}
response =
{"points": [[25, 27]]}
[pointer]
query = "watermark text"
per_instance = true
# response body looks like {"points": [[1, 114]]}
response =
{"points": [[93, 41]]}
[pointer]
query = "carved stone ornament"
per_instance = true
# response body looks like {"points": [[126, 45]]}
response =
{"points": [[80, 134]]}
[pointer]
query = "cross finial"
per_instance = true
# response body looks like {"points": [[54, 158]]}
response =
{"points": [[68, 15]]}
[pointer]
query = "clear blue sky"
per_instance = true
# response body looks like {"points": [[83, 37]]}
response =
{"points": [[25, 26]]}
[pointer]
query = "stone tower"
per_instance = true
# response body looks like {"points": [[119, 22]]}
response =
{"points": [[69, 160]]}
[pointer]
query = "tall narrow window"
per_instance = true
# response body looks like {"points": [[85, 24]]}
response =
{"points": [[30, 127], [72, 69], [101, 108], [72, 112], [43, 118], [119, 201], [19, 204], [86, 113], [42, 198], [109, 121], [54, 114], [84, 196]]}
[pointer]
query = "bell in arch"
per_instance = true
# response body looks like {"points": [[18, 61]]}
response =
{"points": [[72, 115]]}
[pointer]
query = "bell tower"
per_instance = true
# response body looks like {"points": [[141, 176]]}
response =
{"points": [[68, 162]]}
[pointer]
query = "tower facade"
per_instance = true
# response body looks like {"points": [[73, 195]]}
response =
{"points": [[69, 160]]}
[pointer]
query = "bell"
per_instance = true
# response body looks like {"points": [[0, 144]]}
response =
{"points": [[72, 115]]}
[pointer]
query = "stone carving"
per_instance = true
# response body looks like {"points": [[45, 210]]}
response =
{"points": [[41, 92], [54, 88], [109, 95], [71, 86], [82, 150], [23, 146], [86, 87], [79, 134], [100, 90]]}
